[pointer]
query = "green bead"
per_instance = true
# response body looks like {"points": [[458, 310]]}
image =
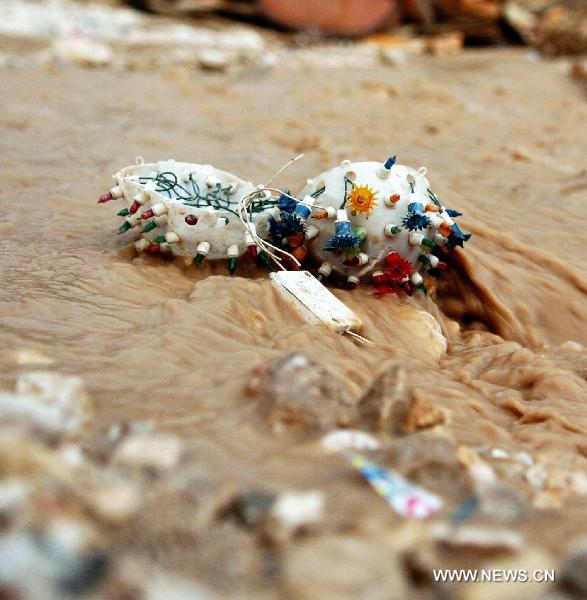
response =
{"points": [[360, 232], [160, 239], [424, 259], [232, 265], [264, 258], [149, 226], [423, 289], [123, 213], [428, 243], [124, 227], [198, 259]]}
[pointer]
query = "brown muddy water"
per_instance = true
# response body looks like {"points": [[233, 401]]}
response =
{"points": [[160, 341]]}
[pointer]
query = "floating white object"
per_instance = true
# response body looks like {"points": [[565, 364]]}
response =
{"points": [[314, 302], [191, 205], [340, 440]]}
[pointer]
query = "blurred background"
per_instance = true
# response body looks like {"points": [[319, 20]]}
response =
{"points": [[218, 34]]}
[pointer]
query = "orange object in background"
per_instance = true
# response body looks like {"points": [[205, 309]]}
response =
{"points": [[332, 17]]}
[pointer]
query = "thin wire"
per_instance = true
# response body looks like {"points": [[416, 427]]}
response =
{"points": [[245, 217], [358, 338]]}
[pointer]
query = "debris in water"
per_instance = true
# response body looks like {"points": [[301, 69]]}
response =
{"points": [[407, 499], [349, 439]]}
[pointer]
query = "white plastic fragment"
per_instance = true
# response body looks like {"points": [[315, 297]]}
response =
{"points": [[160, 452], [294, 510], [349, 439], [314, 302]]}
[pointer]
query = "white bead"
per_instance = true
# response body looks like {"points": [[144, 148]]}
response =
{"points": [[232, 251], [140, 197], [325, 269], [341, 215], [116, 192], [434, 260], [141, 244], [417, 278], [382, 172], [415, 239], [159, 208], [311, 232], [363, 259], [171, 237], [203, 248]]}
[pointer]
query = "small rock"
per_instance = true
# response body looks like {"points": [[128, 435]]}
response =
{"points": [[13, 493], [394, 57], [296, 510], [349, 439], [114, 502], [32, 357], [252, 507], [499, 453], [157, 452], [524, 458], [536, 476], [477, 538], [423, 414], [574, 571], [447, 44], [213, 60], [82, 52], [64, 557], [45, 402], [384, 405], [294, 391]]}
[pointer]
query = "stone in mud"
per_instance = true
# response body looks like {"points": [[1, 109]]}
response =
{"points": [[430, 461], [574, 571], [46, 403], [294, 511], [113, 502], [385, 404], [349, 439], [294, 391], [61, 559], [424, 414], [481, 539], [155, 452], [82, 52], [252, 507]]}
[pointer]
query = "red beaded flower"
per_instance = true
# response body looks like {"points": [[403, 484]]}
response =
{"points": [[396, 268]]}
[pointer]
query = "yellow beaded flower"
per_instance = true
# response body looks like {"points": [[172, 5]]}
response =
{"points": [[361, 199]]}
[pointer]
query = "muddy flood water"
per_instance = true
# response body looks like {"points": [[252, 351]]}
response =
{"points": [[193, 364]]}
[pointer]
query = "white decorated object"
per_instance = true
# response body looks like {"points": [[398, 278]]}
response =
{"points": [[218, 228], [379, 221]]}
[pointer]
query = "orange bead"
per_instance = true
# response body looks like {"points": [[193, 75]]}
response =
{"points": [[321, 214], [300, 253], [431, 208], [394, 198], [445, 229], [293, 241]]}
